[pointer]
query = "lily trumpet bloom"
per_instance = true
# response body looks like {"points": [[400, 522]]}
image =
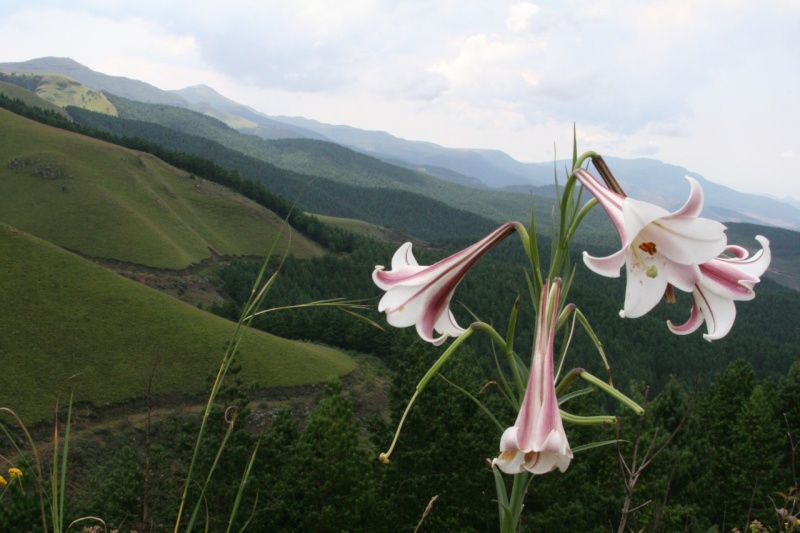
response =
{"points": [[659, 248], [420, 295], [724, 280], [537, 441]]}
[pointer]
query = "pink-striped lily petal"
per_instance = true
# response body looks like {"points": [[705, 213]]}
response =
{"points": [[609, 200], [608, 266], [420, 295], [659, 248], [537, 441], [694, 205], [682, 238], [691, 325], [723, 281], [717, 312]]}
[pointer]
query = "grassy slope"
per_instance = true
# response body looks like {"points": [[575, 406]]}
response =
{"points": [[106, 201], [373, 231], [62, 91], [29, 98], [65, 316]]}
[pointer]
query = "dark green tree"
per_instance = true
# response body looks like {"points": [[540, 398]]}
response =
{"points": [[332, 471]]}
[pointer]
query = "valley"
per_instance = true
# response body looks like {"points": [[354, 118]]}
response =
{"points": [[130, 242]]}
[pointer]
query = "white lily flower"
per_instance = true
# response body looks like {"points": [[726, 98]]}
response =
{"points": [[659, 248], [420, 295], [723, 281], [537, 441]]}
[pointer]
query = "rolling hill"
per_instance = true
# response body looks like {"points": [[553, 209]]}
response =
{"points": [[106, 201], [30, 98], [71, 324], [122, 86], [61, 91]]}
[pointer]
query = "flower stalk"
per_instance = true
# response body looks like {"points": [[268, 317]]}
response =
{"points": [[661, 251]]}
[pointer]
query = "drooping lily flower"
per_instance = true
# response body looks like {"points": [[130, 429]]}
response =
{"points": [[420, 295], [537, 441], [659, 248], [724, 280]]}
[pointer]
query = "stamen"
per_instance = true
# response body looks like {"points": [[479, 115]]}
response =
{"points": [[669, 294], [649, 247]]}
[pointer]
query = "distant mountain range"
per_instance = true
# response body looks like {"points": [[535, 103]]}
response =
{"points": [[648, 179]]}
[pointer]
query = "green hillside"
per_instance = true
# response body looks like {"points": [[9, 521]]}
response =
{"points": [[355, 186], [106, 201], [61, 91], [359, 227], [410, 212], [334, 162], [65, 316], [29, 98]]}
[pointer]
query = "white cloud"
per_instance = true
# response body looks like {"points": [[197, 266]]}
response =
{"points": [[692, 82], [519, 16]]}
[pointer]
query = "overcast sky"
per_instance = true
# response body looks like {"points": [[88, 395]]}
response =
{"points": [[711, 85]]}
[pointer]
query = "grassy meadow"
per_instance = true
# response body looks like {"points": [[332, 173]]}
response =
{"points": [[105, 201], [71, 324]]}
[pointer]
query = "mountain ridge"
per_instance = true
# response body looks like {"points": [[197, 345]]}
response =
{"points": [[492, 168]]}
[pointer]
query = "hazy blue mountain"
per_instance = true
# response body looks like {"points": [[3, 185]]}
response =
{"points": [[492, 167], [241, 117], [648, 179], [644, 178], [444, 174], [664, 184]]}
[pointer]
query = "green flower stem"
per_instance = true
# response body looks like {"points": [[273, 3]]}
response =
{"points": [[201, 499], [257, 295], [587, 420], [242, 485], [624, 400], [583, 157], [502, 495], [531, 246], [384, 457], [568, 378], [511, 515], [499, 341], [576, 222]]}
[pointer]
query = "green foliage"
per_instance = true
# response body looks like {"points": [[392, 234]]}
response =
{"points": [[19, 504], [331, 470], [409, 211], [444, 446], [320, 478], [334, 163], [115, 489]]}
